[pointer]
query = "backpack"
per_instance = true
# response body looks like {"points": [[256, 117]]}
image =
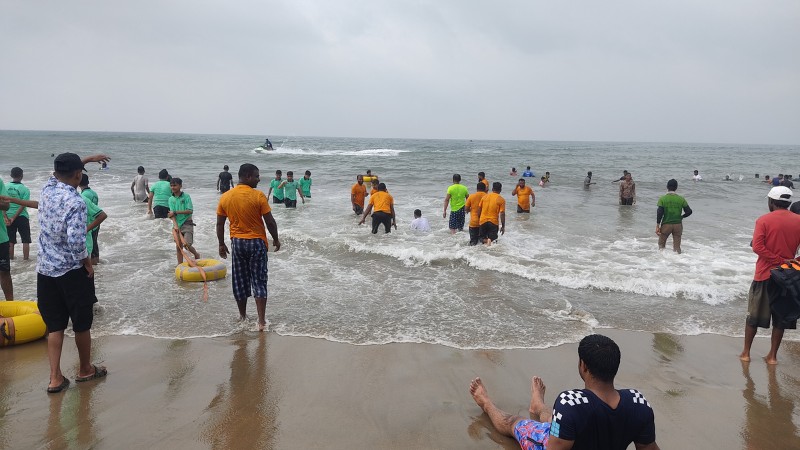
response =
{"points": [[786, 302]]}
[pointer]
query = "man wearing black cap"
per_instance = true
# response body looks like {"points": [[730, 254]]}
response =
{"points": [[65, 285]]}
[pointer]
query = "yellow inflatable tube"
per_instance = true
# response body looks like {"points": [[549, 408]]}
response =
{"points": [[21, 323], [214, 270], [369, 179]]}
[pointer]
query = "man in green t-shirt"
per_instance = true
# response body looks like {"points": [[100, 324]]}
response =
{"points": [[290, 189], [89, 194], [456, 197], [669, 218], [158, 204], [275, 185], [181, 209], [18, 215], [305, 184], [5, 262]]}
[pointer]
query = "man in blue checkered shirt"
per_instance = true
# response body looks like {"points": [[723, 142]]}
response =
{"points": [[599, 416]]}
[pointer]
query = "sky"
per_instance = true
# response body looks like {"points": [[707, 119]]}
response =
{"points": [[720, 71]]}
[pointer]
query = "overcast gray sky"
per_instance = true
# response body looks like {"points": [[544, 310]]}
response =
{"points": [[689, 71]]}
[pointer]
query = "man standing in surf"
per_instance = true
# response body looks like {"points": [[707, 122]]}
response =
{"points": [[776, 238], [248, 210], [456, 197]]}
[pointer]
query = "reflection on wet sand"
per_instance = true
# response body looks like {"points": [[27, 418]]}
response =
{"points": [[244, 414], [768, 419], [71, 420]]}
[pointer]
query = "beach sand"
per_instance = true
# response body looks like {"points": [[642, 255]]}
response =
{"points": [[267, 391]]}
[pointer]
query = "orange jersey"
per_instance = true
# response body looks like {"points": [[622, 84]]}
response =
{"points": [[244, 207], [359, 192], [473, 203], [486, 182], [523, 196], [491, 207], [381, 201]]}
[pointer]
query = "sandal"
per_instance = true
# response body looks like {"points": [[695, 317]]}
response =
{"points": [[99, 372], [64, 384]]}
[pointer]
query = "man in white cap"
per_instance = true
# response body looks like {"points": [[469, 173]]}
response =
{"points": [[776, 238]]}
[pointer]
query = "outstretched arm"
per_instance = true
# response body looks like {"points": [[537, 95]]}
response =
{"points": [[26, 203], [95, 158], [366, 213]]}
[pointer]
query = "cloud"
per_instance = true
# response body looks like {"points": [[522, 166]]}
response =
{"points": [[617, 70]]}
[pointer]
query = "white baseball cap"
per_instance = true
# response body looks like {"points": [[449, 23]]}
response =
{"points": [[780, 193]]}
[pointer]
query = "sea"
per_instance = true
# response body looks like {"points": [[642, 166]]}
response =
{"points": [[580, 263]]}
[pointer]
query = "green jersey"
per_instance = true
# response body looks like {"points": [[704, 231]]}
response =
{"points": [[290, 189], [161, 193], [20, 191], [88, 193], [181, 203], [305, 186], [673, 205], [3, 230], [277, 193], [458, 196], [92, 211]]}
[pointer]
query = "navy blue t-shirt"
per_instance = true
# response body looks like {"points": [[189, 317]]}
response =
{"points": [[580, 416]]}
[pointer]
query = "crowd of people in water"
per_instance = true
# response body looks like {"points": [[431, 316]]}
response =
{"points": [[70, 217]]}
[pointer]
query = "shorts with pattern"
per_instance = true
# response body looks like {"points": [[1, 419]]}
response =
{"points": [[457, 219], [249, 268], [532, 435]]}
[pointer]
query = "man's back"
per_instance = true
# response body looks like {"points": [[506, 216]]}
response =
{"points": [[225, 179], [580, 416]]}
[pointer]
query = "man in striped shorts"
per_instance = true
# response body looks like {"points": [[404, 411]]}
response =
{"points": [[248, 210]]}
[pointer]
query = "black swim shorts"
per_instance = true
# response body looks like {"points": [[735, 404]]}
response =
{"points": [[488, 230], [69, 296]]}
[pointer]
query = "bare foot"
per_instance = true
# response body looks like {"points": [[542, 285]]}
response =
{"points": [[538, 408], [479, 394], [770, 360], [745, 356], [262, 326]]}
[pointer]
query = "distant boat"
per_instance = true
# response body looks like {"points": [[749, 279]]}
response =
{"points": [[264, 148]]}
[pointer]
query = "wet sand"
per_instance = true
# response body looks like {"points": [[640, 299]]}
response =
{"points": [[268, 391]]}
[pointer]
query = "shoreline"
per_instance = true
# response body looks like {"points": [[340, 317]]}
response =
{"points": [[255, 390]]}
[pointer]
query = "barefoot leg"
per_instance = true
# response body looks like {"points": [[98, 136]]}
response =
{"points": [[502, 421], [538, 409], [775, 343], [749, 336]]}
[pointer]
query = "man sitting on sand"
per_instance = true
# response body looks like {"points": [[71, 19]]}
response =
{"points": [[595, 417]]}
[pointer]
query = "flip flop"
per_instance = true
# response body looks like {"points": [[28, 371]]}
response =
{"points": [[99, 372], [64, 384]]}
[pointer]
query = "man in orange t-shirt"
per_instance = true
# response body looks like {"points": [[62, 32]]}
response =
{"points": [[248, 211], [492, 212], [383, 205], [473, 206], [482, 179], [357, 194], [524, 193]]}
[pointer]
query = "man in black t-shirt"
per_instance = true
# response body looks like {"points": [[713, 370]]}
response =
{"points": [[225, 180], [595, 417]]}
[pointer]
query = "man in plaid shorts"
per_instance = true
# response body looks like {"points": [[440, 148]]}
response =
{"points": [[248, 211]]}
